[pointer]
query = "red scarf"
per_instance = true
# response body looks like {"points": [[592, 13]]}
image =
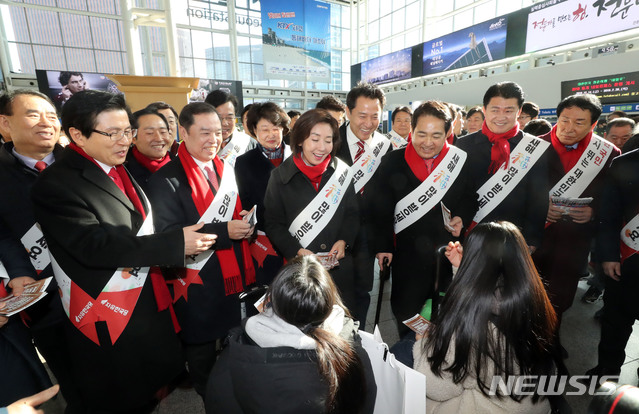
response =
{"points": [[451, 139], [202, 197], [276, 161], [500, 152], [148, 163], [569, 158], [418, 165], [160, 290], [312, 172]]}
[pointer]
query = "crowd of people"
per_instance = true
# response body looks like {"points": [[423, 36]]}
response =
{"points": [[154, 244]]}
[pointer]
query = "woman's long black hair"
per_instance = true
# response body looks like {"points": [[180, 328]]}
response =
{"points": [[496, 287]]}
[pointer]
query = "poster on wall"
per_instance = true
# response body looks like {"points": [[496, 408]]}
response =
{"points": [[481, 43], [296, 40], [559, 22], [388, 68], [207, 86], [61, 85], [610, 89]]}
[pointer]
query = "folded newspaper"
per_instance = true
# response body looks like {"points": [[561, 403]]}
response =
{"points": [[566, 203], [32, 293]]}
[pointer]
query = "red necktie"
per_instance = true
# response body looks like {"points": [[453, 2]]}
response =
{"points": [[429, 164], [40, 165], [212, 177], [360, 150], [113, 173]]}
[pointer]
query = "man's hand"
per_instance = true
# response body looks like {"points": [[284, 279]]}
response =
{"points": [[339, 249], [17, 284], [3, 319], [380, 258], [612, 269], [580, 215], [304, 252], [457, 224], [554, 213], [196, 243], [454, 253], [66, 93], [239, 229], [26, 405]]}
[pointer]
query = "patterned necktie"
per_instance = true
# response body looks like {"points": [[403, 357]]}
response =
{"points": [[360, 150], [429, 164], [40, 165], [113, 173], [212, 177]]}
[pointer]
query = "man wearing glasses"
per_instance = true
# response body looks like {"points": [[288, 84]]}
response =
{"points": [[234, 142], [529, 111], [98, 226]]}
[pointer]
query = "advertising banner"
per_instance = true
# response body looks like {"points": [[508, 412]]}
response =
{"points": [[207, 86], [610, 89], [481, 43], [559, 22], [296, 40], [388, 68]]}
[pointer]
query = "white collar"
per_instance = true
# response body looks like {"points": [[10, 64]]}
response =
{"points": [[31, 162]]}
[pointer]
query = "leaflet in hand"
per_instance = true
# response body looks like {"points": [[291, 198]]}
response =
{"points": [[418, 324], [566, 203], [32, 293], [251, 217], [327, 259], [447, 217]]}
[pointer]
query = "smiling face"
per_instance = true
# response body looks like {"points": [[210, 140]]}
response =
{"points": [[33, 126], [318, 145], [573, 124], [227, 117], [501, 114], [268, 134], [102, 148], [204, 137], [474, 122], [364, 117], [171, 119], [153, 139], [429, 136], [401, 125]]}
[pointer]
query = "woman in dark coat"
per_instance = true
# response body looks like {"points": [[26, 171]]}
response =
{"points": [[268, 123], [330, 222]]}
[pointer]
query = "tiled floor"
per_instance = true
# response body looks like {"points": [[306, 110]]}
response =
{"points": [[579, 335]]}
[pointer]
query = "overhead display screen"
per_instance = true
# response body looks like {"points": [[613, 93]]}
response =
{"points": [[560, 22], [621, 88], [388, 68], [481, 43]]}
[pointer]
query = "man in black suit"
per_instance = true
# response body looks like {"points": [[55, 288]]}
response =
{"points": [[198, 186], [509, 166], [97, 224], [362, 147]]}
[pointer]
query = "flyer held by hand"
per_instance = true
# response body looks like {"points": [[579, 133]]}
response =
{"points": [[32, 293], [327, 259], [251, 217], [418, 324], [447, 217]]}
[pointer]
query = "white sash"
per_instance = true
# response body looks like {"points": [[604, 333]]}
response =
{"points": [[121, 280], [496, 189], [33, 240], [396, 140], [220, 210], [430, 192], [318, 213], [630, 235], [367, 164], [236, 147], [589, 165]]}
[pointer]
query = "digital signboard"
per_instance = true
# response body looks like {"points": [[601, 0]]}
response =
{"points": [[611, 89], [388, 68]]}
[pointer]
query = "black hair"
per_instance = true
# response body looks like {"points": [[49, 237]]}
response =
{"points": [[437, 109], [187, 116], [496, 315], [506, 90], [146, 111], [270, 111], [219, 97], [303, 294], [293, 113], [538, 127], [367, 90], [587, 102], [81, 110], [246, 109], [331, 103], [620, 122], [530, 108], [65, 77], [399, 109], [7, 98], [303, 126], [159, 106], [475, 110]]}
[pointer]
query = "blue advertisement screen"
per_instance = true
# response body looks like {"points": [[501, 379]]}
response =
{"points": [[388, 68], [481, 43]]}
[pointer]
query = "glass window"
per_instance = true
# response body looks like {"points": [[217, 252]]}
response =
{"points": [[245, 73], [336, 37], [159, 66], [201, 43], [384, 48], [385, 27], [47, 29], [42, 2], [203, 68], [399, 23], [186, 67], [346, 15], [244, 49], [398, 43], [413, 15], [373, 31], [80, 60], [109, 62], [223, 70], [50, 57], [184, 43], [506, 6], [258, 75], [76, 4], [463, 20], [22, 60], [346, 38], [386, 7], [16, 28], [75, 30], [461, 3], [105, 33], [256, 51], [222, 46], [373, 9], [487, 11]]}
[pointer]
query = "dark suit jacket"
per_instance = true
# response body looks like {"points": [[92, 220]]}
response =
{"points": [[90, 227], [209, 313], [414, 248], [527, 205], [139, 171], [289, 191]]}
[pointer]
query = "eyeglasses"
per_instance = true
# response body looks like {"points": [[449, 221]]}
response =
{"points": [[228, 119], [116, 136]]}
